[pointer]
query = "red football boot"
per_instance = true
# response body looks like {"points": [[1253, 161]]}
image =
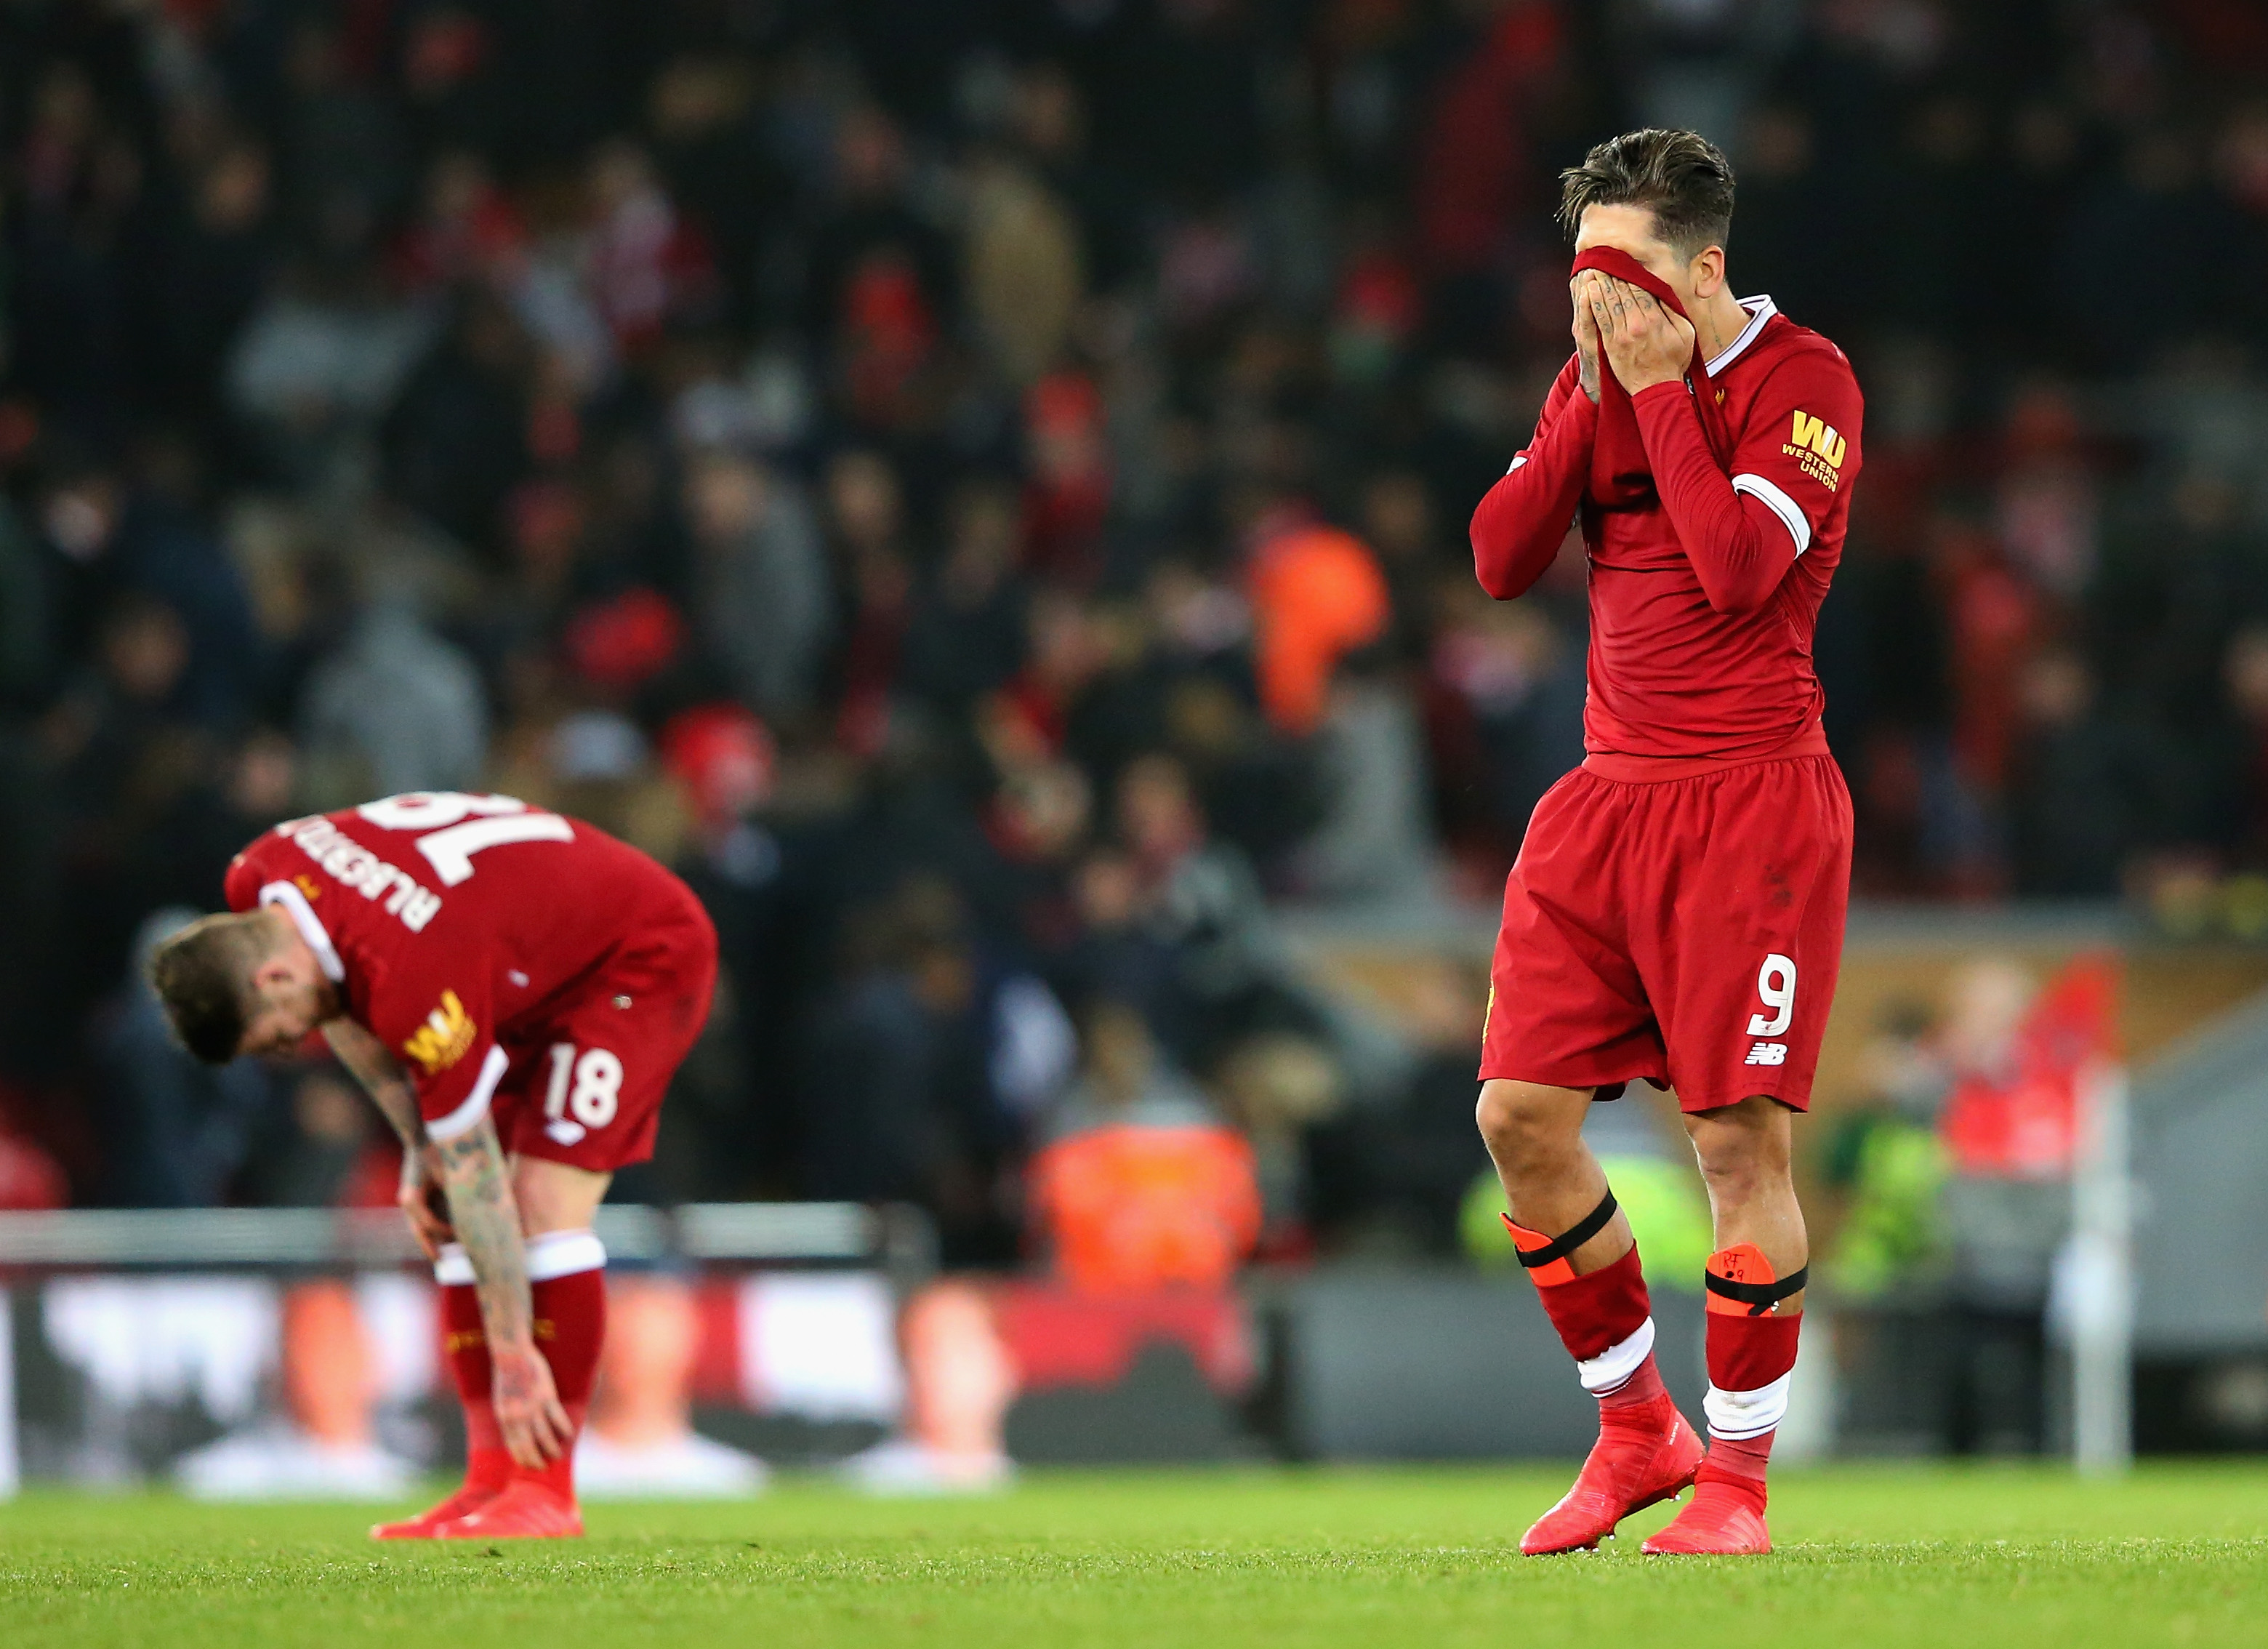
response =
{"points": [[525, 1510], [1722, 1520], [1646, 1453], [471, 1498]]}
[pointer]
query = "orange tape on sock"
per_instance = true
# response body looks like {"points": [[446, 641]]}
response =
{"points": [[1742, 1282], [1559, 1271]]}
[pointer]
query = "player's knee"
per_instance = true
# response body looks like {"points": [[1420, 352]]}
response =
{"points": [[1740, 1157], [1736, 1177], [1524, 1121]]}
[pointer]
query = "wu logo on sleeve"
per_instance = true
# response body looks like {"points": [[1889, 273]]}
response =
{"points": [[1820, 447], [441, 1042]]}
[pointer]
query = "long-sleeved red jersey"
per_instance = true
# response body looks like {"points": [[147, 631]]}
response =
{"points": [[452, 923], [1705, 587]]}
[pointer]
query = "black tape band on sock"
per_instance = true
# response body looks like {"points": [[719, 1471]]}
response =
{"points": [[1759, 1297], [1560, 1247]]}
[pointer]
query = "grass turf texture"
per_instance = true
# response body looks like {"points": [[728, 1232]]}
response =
{"points": [[1868, 1556]]}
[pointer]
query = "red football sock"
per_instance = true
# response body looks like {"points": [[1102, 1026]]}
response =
{"points": [[1751, 1362], [571, 1322], [1605, 1319], [464, 1343], [1739, 1462], [1638, 1392]]}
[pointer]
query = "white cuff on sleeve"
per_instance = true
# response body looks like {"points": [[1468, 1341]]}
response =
{"points": [[1790, 513], [467, 1116]]}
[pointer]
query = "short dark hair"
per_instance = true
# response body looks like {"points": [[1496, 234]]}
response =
{"points": [[202, 976], [1681, 176]]}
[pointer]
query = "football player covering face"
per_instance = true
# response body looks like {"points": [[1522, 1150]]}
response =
{"points": [[1645, 343], [1676, 912]]}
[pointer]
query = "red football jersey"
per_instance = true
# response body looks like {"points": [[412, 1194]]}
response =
{"points": [[451, 921], [1705, 591]]}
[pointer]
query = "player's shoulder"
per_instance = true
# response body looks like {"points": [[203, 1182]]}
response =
{"points": [[1787, 345], [1797, 367], [257, 863]]}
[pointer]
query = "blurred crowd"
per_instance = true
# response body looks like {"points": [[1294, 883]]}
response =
{"points": [[979, 486]]}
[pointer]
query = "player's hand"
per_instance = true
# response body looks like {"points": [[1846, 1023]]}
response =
{"points": [[528, 1411], [1587, 332], [424, 1202], [1645, 343]]}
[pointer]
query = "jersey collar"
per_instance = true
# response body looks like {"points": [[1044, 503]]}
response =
{"points": [[1761, 310], [311, 928]]}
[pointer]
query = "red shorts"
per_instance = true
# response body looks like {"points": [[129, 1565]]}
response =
{"points": [[587, 1080], [1686, 930]]}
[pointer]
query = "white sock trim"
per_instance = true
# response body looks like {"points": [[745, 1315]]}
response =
{"points": [[563, 1253], [1737, 1416], [1611, 1369], [554, 1253]]}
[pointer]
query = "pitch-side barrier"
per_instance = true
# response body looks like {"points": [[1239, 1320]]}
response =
{"points": [[247, 1353], [896, 1239]]}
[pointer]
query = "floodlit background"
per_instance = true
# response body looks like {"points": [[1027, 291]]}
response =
{"points": [[980, 488]]}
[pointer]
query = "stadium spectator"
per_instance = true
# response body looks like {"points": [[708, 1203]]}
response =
{"points": [[762, 586], [1141, 1186], [929, 403]]}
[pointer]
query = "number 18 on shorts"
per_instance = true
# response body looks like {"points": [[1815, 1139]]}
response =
{"points": [[585, 1092]]}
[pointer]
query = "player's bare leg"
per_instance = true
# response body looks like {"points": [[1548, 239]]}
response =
{"points": [[1577, 1246], [1756, 1306], [553, 1196]]}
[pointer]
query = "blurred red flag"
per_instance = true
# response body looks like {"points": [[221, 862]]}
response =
{"points": [[2025, 1124]]}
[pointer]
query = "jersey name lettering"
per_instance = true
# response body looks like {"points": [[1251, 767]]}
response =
{"points": [[354, 865]]}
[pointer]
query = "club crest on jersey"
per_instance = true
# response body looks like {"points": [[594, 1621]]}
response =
{"points": [[444, 1038], [1819, 448]]}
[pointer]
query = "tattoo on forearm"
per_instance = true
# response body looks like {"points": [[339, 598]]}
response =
{"points": [[487, 1221]]}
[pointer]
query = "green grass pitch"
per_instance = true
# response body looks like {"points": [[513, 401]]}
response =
{"points": [[1868, 1556]]}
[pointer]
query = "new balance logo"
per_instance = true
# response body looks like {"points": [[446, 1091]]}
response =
{"points": [[1767, 1054]]}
